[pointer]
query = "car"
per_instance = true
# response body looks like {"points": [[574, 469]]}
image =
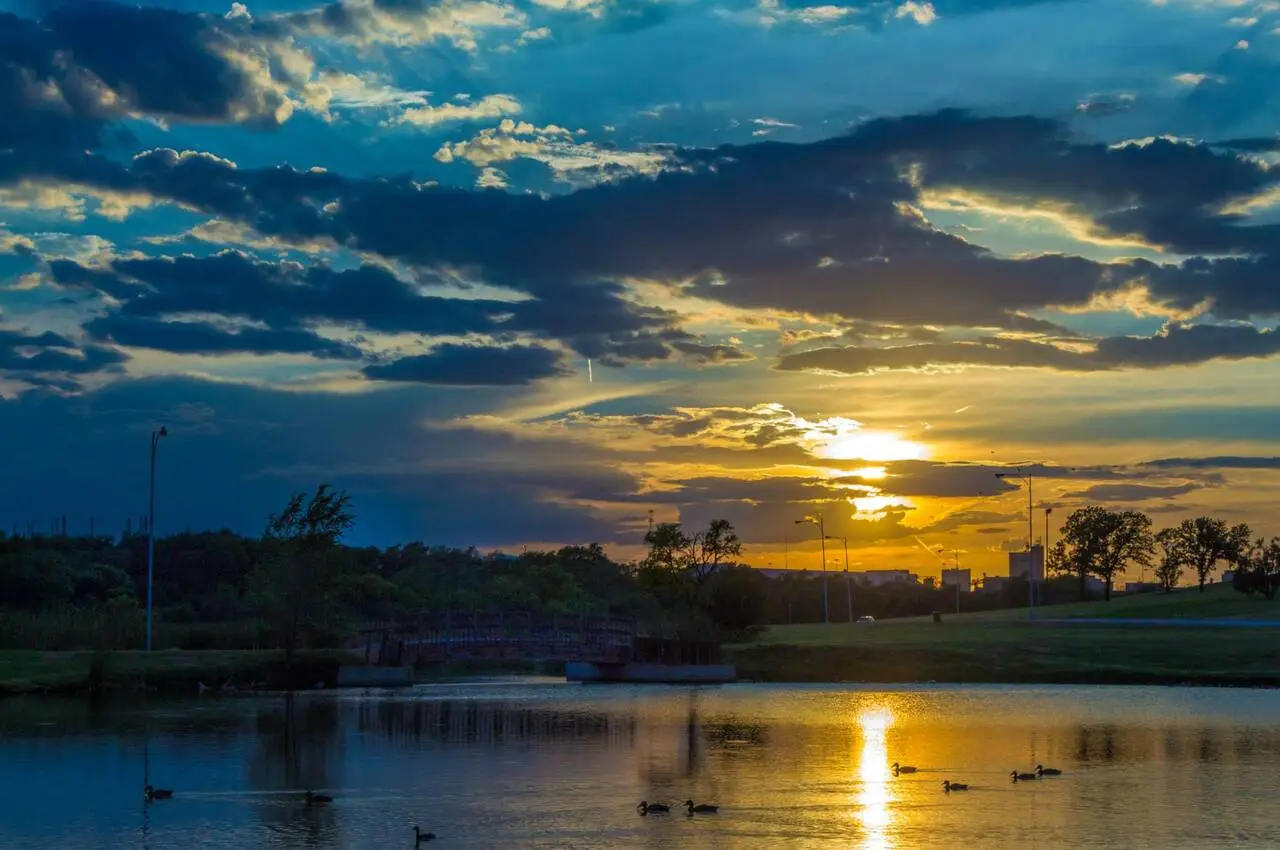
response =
{"points": [[865, 620]]}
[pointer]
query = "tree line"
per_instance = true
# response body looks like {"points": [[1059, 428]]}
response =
{"points": [[1102, 543], [298, 585]]}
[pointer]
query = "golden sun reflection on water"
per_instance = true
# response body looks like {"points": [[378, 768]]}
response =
{"points": [[875, 796]]}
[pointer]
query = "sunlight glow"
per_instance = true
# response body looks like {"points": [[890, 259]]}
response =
{"points": [[877, 504], [850, 442], [869, 473], [876, 794]]}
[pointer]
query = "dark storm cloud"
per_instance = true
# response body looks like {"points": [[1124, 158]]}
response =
{"points": [[204, 338], [1176, 345], [46, 359], [593, 319], [826, 228], [1233, 287], [472, 365], [712, 354], [1134, 492], [87, 63], [1216, 462]]}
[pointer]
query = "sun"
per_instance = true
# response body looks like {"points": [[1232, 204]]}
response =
{"points": [[875, 446]]}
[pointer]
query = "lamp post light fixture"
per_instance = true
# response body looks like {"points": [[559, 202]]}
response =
{"points": [[151, 527], [848, 588], [1019, 475], [816, 519]]}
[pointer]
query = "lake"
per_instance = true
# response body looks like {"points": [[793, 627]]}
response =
{"points": [[544, 764]]}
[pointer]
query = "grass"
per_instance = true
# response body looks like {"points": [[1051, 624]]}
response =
{"points": [[1001, 646], [25, 671]]}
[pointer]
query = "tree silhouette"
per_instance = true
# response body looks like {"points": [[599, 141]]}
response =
{"points": [[297, 585]]}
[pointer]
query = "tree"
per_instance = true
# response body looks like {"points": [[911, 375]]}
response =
{"points": [[1258, 569], [1080, 544], [1128, 540], [668, 547], [1173, 557], [736, 598], [297, 586], [1206, 541], [713, 549], [1100, 542], [696, 556]]}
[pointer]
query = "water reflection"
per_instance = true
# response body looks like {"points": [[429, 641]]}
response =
{"points": [[875, 794], [555, 767]]}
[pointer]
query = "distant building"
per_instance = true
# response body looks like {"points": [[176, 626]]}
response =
{"points": [[1141, 586], [952, 578], [1021, 562], [779, 572], [929, 582], [993, 584], [880, 578]]}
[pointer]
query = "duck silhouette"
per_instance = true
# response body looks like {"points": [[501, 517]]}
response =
{"points": [[949, 786], [701, 808], [317, 798], [646, 807], [419, 836], [1016, 776], [149, 793], [1041, 770]]}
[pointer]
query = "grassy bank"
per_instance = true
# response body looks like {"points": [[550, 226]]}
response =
{"points": [[166, 671], [1001, 646]]}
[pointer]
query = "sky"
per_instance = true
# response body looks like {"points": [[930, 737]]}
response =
{"points": [[531, 272]]}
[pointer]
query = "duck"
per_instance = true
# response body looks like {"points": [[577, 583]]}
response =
{"points": [[317, 798], [1041, 770], [1016, 776], [419, 836], [949, 786], [646, 807], [902, 768], [149, 793], [701, 808]]}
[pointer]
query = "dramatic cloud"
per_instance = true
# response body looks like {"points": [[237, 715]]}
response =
{"points": [[595, 320], [204, 338], [411, 245], [1106, 493], [63, 77], [1219, 462], [51, 360], [1176, 345], [472, 365], [404, 22]]}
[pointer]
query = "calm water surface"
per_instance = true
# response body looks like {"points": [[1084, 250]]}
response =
{"points": [[547, 764]]}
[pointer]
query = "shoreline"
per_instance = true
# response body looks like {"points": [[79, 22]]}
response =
{"points": [[84, 673]]}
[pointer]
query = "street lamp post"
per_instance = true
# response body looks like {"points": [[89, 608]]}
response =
{"points": [[151, 526], [816, 519], [1031, 585], [1048, 509], [848, 588]]}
